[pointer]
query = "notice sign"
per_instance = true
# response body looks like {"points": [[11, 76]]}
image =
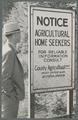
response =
{"points": [[52, 41]]}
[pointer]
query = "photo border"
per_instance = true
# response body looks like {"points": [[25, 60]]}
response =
{"points": [[4, 3]]}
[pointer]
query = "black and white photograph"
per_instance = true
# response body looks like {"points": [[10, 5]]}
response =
{"points": [[39, 59]]}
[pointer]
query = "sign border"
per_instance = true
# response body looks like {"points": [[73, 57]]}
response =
{"points": [[40, 90]]}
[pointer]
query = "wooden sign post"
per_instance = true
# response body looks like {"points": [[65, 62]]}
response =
{"points": [[69, 102], [77, 68]]}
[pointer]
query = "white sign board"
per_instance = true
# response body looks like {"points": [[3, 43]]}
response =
{"points": [[52, 45]]}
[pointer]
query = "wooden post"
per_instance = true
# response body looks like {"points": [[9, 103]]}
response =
{"points": [[69, 102], [32, 105], [76, 111], [31, 96], [1, 7]]}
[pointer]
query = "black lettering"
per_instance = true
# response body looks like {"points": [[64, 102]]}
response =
{"points": [[65, 21], [58, 22], [46, 21], [39, 20], [51, 42], [51, 18], [52, 21], [40, 42]]}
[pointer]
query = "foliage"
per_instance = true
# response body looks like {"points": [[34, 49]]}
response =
{"points": [[60, 107], [9, 4], [53, 103]]}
